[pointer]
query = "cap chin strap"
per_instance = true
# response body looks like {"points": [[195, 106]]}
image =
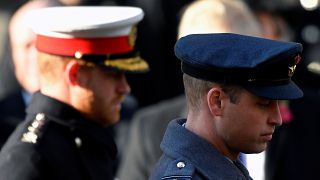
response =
{"points": [[235, 76]]}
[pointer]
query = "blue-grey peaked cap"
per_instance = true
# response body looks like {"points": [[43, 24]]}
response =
{"points": [[262, 66]]}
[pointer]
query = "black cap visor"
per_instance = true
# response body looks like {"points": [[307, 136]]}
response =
{"points": [[287, 91]]}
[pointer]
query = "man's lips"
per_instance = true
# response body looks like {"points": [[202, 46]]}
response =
{"points": [[267, 136]]}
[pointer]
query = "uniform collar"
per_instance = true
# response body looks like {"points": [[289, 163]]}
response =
{"points": [[179, 141], [41, 103], [66, 115]]}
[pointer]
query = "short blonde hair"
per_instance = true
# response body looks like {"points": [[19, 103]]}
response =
{"points": [[51, 66], [197, 89], [217, 16]]}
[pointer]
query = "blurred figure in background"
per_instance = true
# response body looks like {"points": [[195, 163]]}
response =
{"points": [[8, 82], [273, 25], [148, 125], [24, 60]]}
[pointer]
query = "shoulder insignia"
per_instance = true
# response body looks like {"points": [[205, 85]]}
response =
{"points": [[33, 129]]}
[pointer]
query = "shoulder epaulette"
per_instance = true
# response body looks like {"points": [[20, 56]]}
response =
{"points": [[34, 129], [179, 169]]}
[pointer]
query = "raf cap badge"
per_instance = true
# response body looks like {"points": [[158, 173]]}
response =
{"points": [[292, 67]]}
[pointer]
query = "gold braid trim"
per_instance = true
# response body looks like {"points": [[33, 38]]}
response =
{"points": [[129, 64]]}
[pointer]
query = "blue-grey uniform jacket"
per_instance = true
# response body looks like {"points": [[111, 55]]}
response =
{"points": [[187, 156]]}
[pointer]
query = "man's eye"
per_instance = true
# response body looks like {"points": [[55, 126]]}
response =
{"points": [[265, 103]]}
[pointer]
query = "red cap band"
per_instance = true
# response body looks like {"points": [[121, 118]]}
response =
{"points": [[92, 46]]}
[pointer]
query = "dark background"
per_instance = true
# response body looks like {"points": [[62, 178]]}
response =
{"points": [[156, 38]]}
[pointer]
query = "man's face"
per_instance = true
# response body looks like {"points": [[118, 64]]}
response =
{"points": [[102, 94], [248, 125]]}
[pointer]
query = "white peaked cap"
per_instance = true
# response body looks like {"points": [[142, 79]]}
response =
{"points": [[89, 30], [84, 21]]}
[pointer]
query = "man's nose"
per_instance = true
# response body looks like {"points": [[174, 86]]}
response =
{"points": [[124, 86], [275, 117]]}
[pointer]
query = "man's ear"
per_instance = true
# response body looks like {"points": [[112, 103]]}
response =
{"points": [[72, 72], [214, 101]]}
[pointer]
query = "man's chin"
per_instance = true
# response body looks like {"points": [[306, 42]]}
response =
{"points": [[110, 121], [255, 150]]}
